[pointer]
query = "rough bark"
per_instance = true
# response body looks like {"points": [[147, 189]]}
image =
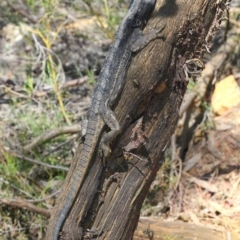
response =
{"points": [[111, 197]]}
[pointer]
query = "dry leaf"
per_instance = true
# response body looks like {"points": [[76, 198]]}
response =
{"points": [[226, 95]]}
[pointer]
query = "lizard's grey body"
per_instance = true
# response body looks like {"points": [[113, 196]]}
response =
{"points": [[110, 83]]}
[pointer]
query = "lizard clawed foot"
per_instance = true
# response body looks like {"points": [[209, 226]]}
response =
{"points": [[105, 152]]}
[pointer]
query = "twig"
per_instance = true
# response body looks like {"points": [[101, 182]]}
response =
{"points": [[52, 134], [188, 99], [15, 187], [17, 93], [75, 82], [179, 173], [39, 163], [68, 84], [44, 199], [23, 204], [174, 158]]}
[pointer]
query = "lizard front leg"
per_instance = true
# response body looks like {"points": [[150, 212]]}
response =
{"points": [[141, 41], [110, 119]]}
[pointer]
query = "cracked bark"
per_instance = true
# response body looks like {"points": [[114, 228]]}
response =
{"points": [[111, 197]]}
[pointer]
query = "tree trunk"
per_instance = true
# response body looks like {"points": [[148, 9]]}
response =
{"points": [[110, 200]]}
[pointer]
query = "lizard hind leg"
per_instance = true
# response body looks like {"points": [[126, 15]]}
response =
{"points": [[111, 121]]}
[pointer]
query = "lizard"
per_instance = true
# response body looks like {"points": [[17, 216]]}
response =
{"points": [[109, 86]]}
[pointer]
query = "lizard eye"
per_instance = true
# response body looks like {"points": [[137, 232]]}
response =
{"points": [[136, 23]]}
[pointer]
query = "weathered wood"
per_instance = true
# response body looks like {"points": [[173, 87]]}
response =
{"points": [[111, 197], [156, 229]]}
